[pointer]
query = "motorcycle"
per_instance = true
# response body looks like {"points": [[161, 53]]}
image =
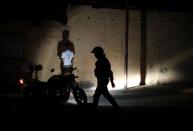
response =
{"points": [[57, 87], [33, 87], [65, 85]]}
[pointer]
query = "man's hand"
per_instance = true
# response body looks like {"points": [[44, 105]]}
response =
{"points": [[112, 84]]}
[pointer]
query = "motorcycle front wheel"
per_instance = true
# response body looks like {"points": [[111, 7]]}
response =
{"points": [[79, 95]]}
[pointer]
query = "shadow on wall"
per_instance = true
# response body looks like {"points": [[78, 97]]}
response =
{"points": [[185, 69]]}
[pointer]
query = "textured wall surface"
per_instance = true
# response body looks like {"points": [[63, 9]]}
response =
{"points": [[169, 38], [169, 47], [91, 27]]}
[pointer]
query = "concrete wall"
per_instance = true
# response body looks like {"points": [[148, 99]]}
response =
{"points": [[169, 45], [39, 46], [91, 27]]}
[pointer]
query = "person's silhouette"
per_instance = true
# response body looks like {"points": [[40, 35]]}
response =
{"points": [[27, 69], [66, 53], [103, 73]]}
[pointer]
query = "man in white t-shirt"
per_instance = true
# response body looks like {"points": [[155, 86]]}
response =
{"points": [[67, 57], [64, 45]]}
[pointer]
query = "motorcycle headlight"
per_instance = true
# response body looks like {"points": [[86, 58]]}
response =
{"points": [[21, 81]]}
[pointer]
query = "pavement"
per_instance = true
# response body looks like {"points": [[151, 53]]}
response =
{"points": [[150, 105]]}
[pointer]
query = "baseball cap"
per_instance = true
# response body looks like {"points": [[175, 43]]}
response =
{"points": [[97, 49]]}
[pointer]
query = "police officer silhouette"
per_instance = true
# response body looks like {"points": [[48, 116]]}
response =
{"points": [[103, 73]]}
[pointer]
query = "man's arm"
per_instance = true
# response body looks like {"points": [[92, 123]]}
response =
{"points": [[112, 79]]}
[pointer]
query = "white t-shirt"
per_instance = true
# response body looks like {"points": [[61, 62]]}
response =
{"points": [[67, 56]]}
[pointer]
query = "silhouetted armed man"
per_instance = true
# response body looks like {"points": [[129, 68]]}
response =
{"points": [[103, 74]]}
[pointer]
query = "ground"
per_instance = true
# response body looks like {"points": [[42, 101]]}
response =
{"points": [[148, 105]]}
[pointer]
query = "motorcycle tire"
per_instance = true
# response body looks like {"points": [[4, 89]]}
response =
{"points": [[79, 95]]}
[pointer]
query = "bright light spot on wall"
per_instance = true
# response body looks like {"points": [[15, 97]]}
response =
{"points": [[134, 80], [119, 84]]}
